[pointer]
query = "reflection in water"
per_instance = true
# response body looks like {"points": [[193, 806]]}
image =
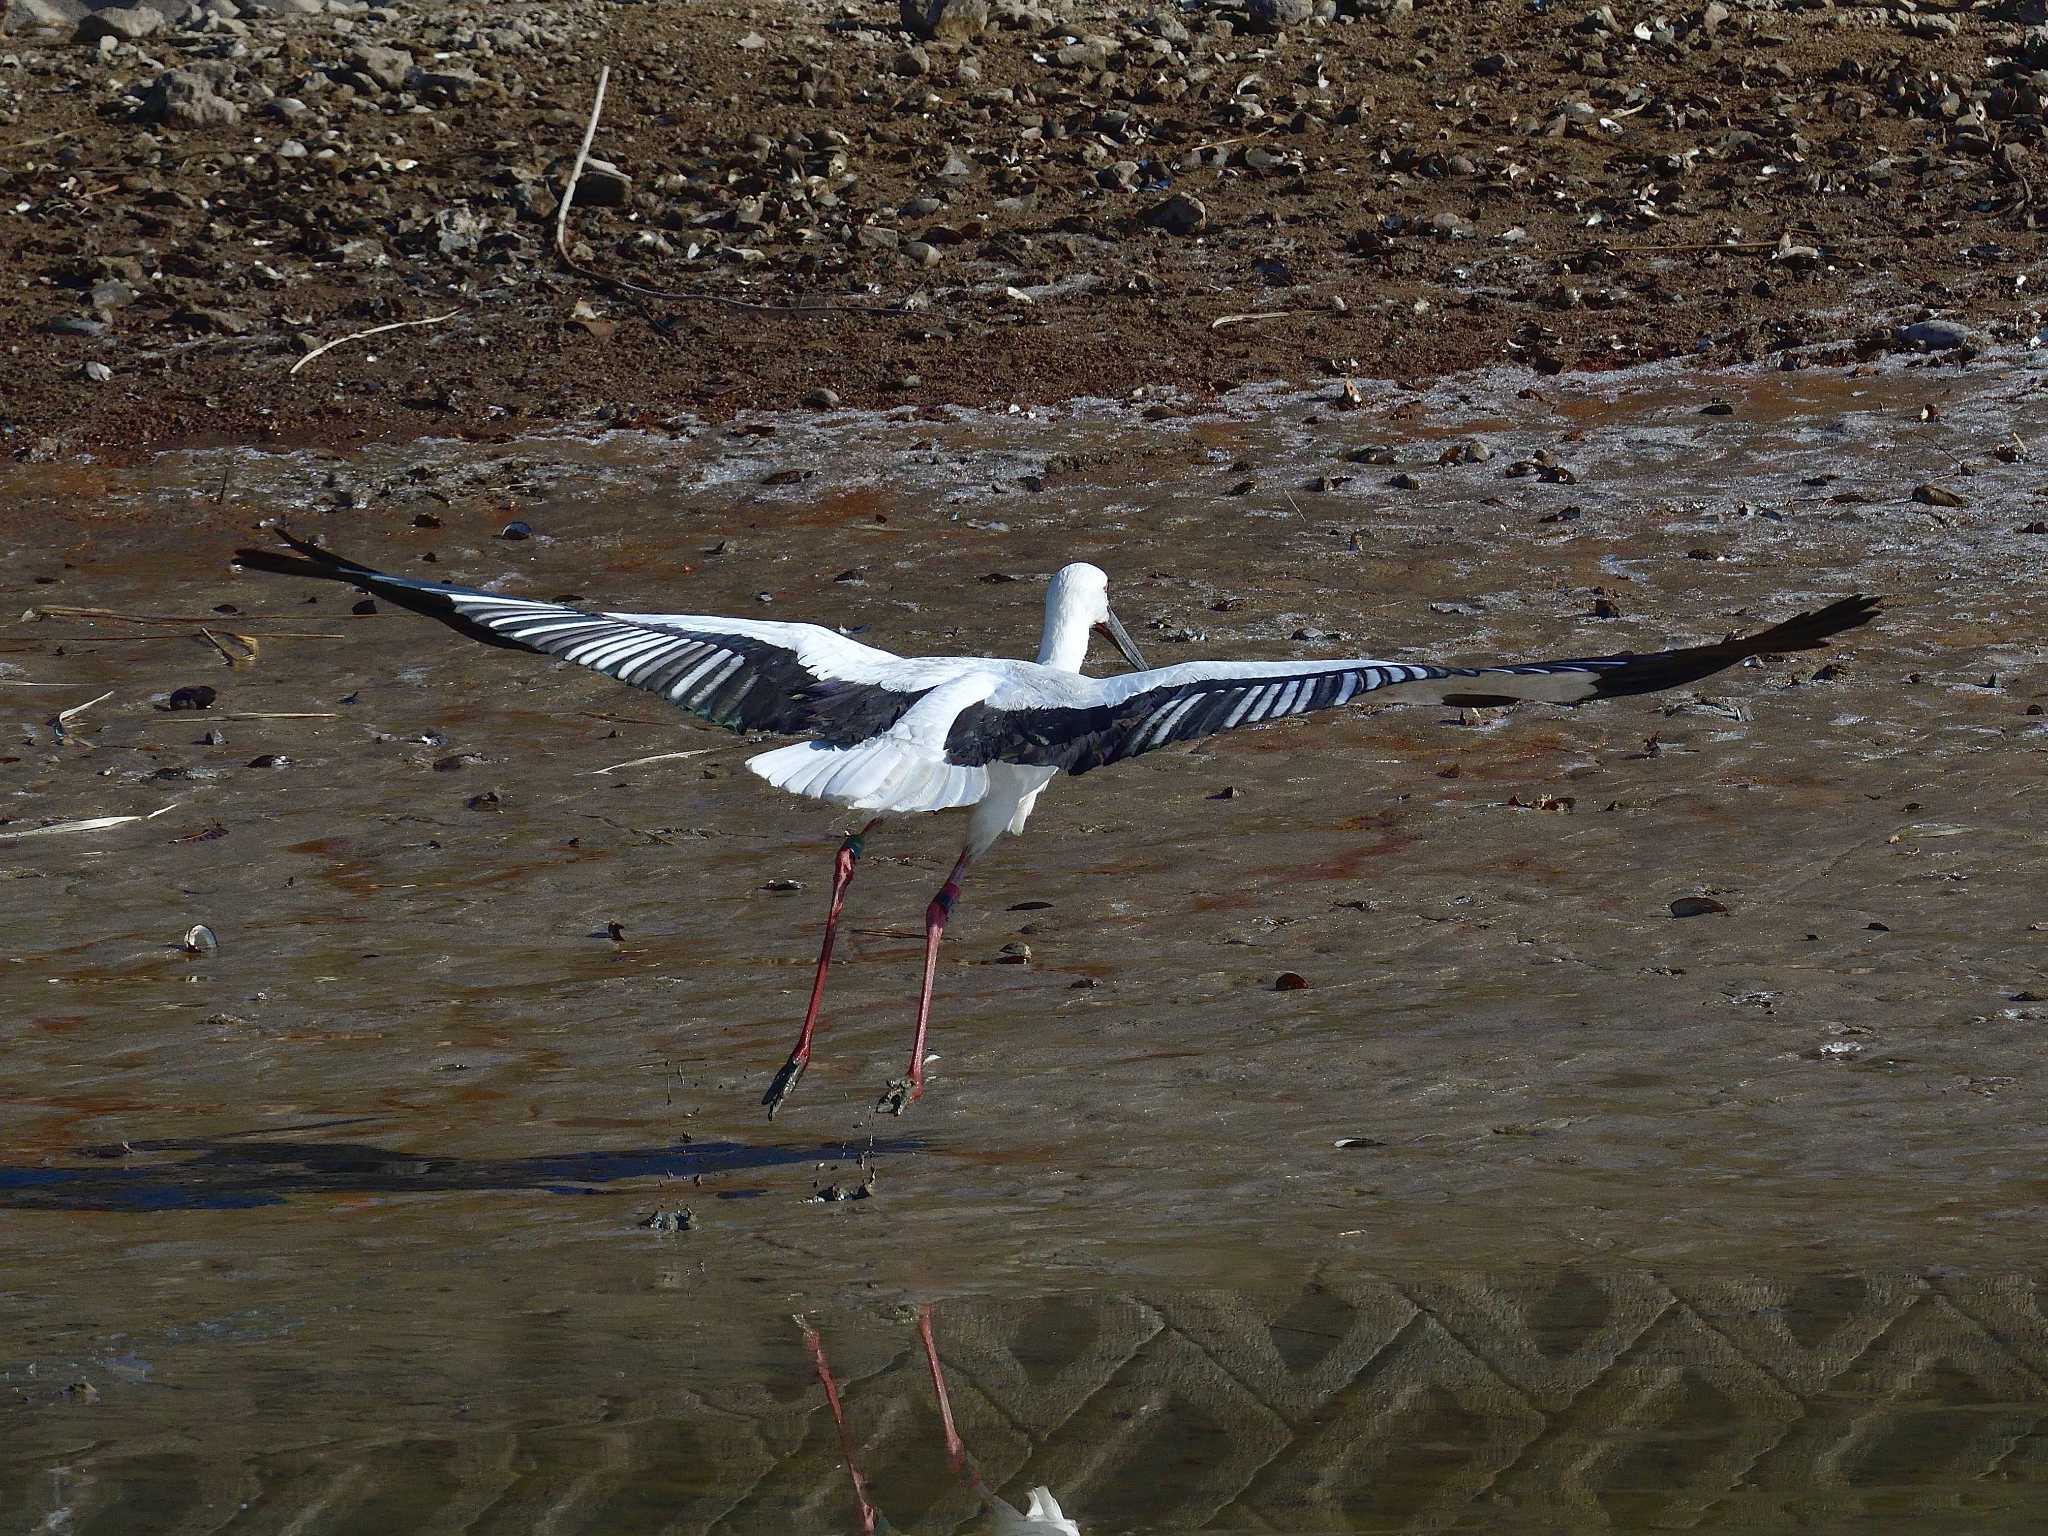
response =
{"points": [[234, 1173], [1041, 1515], [1574, 1401]]}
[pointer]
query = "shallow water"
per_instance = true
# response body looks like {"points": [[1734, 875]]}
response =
{"points": [[1730, 1222]]}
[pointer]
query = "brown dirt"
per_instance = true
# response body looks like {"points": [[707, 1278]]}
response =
{"points": [[1651, 186]]}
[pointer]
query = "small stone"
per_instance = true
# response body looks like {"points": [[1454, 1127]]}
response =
{"points": [[602, 185], [221, 322], [950, 21], [922, 252], [129, 24], [1695, 906], [516, 531], [1938, 496], [200, 697], [822, 399], [1089, 55], [387, 66], [99, 373], [445, 82], [1290, 981], [1179, 214], [1933, 336], [1276, 15], [182, 98]]}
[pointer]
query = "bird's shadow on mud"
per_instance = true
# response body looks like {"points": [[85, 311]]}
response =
{"points": [[230, 1173]]}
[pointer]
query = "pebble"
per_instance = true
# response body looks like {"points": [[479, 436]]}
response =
{"points": [[950, 21], [1933, 336], [1179, 214], [388, 67], [182, 98], [127, 24], [1275, 15]]}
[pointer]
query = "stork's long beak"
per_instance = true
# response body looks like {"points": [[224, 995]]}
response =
{"points": [[1112, 627]]}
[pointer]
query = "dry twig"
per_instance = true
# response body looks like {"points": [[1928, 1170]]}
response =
{"points": [[375, 330]]}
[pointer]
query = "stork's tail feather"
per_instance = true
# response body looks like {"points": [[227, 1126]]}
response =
{"points": [[885, 774], [1672, 669], [427, 598]]}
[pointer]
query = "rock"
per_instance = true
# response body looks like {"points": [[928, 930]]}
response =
{"points": [[40, 15], [1275, 15], [457, 230], [362, 253], [822, 399], [1088, 55], [387, 66], [602, 184], [99, 373], [222, 322], [946, 21], [1938, 496], [113, 294], [446, 82], [1695, 906], [922, 252], [128, 24], [183, 98], [912, 63], [1179, 214], [1933, 336]]}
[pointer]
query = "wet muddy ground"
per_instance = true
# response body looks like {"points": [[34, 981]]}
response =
{"points": [[1733, 1217]]}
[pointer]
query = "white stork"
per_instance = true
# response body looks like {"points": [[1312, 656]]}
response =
{"points": [[899, 735]]}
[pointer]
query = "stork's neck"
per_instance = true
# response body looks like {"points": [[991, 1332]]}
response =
{"points": [[1065, 644]]}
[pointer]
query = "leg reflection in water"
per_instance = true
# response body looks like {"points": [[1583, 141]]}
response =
{"points": [[1041, 1515]]}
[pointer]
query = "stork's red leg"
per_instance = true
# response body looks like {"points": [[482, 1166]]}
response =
{"points": [[909, 1089], [824, 1369], [956, 1453], [800, 1057]]}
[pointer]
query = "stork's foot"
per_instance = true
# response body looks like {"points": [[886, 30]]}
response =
{"points": [[899, 1096], [785, 1083]]}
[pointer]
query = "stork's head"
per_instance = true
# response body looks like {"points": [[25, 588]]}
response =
{"points": [[1077, 605]]}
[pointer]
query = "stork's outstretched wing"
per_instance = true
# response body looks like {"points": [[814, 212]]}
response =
{"points": [[744, 674], [1141, 711]]}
